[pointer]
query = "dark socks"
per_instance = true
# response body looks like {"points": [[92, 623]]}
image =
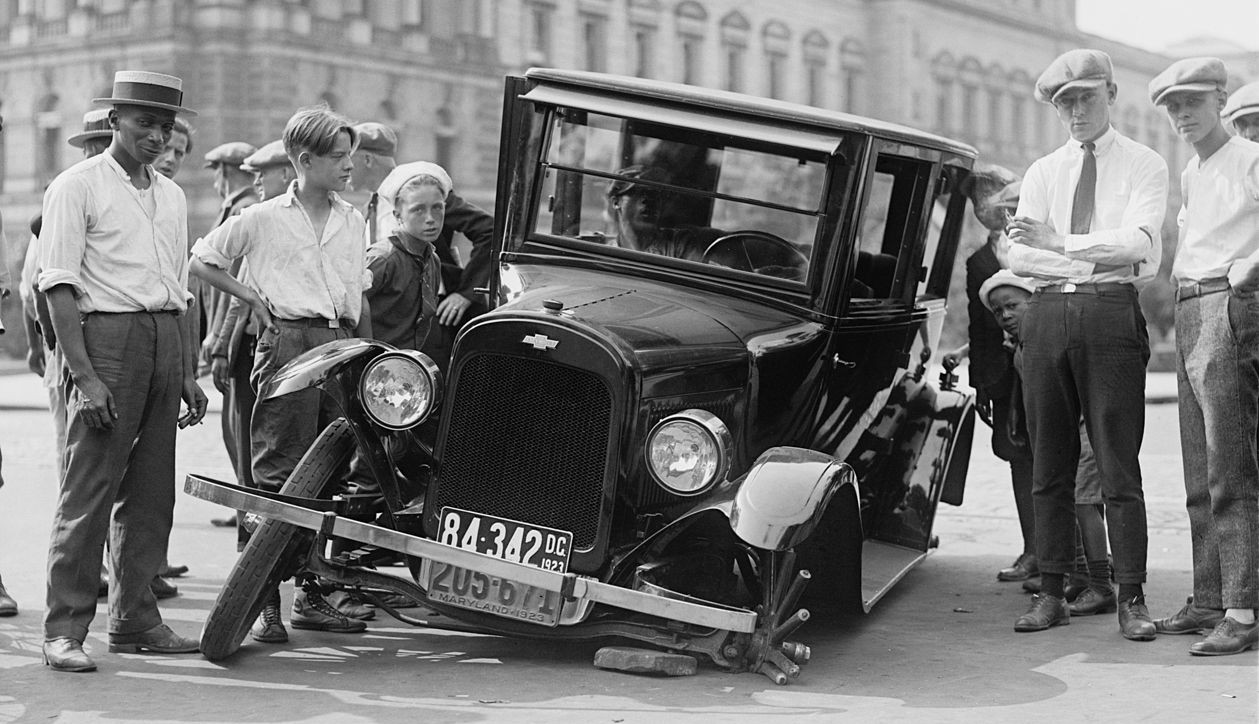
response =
{"points": [[1099, 575], [1052, 584], [1129, 591]]}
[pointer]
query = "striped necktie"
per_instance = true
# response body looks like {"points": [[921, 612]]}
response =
{"points": [[1085, 191]]}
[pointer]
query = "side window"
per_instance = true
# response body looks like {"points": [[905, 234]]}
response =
{"points": [[947, 214], [889, 227]]}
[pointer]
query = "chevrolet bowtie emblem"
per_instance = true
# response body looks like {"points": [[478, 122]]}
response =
{"points": [[540, 341]]}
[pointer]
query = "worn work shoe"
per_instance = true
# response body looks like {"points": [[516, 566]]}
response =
{"points": [[269, 629], [66, 654], [1045, 611], [1134, 620], [8, 607], [1228, 637], [1023, 568], [169, 571], [312, 612], [1093, 601], [1190, 619], [163, 588], [158, 640], [351, 605]]}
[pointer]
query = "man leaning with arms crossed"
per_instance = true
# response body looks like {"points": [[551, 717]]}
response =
{"points": [[1217, 358], [114, 260], [1087, 229]]}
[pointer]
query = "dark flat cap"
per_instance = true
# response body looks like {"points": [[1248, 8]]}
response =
{"points": [[271, 154], [376, 138], [1082, 67], [1189, 74], [1243, 102], [232, 153]]}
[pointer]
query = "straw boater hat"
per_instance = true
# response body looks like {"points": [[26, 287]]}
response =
{"points": [[142, 88], [95, 125]]}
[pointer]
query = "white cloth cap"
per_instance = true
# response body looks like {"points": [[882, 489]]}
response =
{"points": [[403, 173]]}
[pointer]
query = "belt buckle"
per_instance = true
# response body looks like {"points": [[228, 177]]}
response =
{"points": [[334, 324], [1068, 288]]}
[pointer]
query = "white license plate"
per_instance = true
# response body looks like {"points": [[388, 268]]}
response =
{"points": [[510, 540]]}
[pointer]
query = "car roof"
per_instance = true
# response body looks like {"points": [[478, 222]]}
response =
{"points": [[738, 103]]}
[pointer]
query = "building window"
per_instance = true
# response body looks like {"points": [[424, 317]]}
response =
{"points": [[48, 133], [852, 61], [996, 129], [539, 33], [594, 42], [776, 38], [644, 51], [734, 45], [691, 20], [816, 48], [691, 59]]}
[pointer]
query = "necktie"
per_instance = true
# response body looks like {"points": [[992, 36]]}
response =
{"points": [[1085, 190], [371, 218]]}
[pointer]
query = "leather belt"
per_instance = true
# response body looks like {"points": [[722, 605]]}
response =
{"points": [[1206, 286], [317, 322], [1097, 289]]}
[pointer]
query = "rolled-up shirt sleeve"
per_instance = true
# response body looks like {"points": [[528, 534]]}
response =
{"points": [[228, 241], [63, 237], [1142, 220]]}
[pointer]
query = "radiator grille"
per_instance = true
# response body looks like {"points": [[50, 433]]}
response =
{"points": [[528, 440]]}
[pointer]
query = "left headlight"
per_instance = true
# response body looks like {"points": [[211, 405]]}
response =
{"points": [[689, 451], [400, 389]]}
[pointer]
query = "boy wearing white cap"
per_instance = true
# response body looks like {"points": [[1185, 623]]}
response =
{"points": [[1217, 362], [1242, 110], [1088, 229], [114, 261]]}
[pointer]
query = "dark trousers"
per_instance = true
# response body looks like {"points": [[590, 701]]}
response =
{"points": [[238, 404], [283, 428], [1085, 354], [128, 471]]}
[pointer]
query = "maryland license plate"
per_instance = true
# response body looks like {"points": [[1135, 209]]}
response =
{"points": [[510, 540]]}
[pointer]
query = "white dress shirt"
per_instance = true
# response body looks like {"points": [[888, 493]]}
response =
{"points": [[1129, 206], [297, 274], [119, 248], [1219, 221]]}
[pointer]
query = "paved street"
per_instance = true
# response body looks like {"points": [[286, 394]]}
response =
{"points": [[940, 648]]}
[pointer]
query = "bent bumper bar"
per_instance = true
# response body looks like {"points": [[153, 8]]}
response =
{"points": [[570, 585]]}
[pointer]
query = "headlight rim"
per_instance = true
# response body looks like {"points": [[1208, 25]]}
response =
{"points": [[425, 364], [716, 430]]}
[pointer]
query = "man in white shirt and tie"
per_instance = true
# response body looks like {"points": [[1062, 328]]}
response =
{"points": [[1087, 230]]}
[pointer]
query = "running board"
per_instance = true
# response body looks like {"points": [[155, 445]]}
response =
{"points": [[882, 565]]}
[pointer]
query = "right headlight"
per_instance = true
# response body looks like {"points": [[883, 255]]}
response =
{"points": [[688, 452], [400, 389]]}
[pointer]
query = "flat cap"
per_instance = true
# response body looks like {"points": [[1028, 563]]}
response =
{"points": [[1189, 74], [1082, 67], [232, 153], [1004, 278], [271, 154], [376, 138], [1243, 102]]}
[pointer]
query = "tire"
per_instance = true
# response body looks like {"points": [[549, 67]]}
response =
{"points": [[276, 548]]}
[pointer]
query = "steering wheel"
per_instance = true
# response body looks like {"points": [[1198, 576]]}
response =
{"points": [[752, 250]]}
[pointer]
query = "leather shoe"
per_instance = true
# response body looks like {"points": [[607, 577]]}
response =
{"points": [[163, 588], [312, 612], [8, 607], [66, 654], [1134, 620], [351, 605], [159, 640], [1045, 611], [1023, 568], [1092, 601], [1228, 637], [1190, 619], [229, 522], [269, 629], [1032, 585], [169, 571]]}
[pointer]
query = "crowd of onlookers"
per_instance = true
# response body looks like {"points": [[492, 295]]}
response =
{"points": [[124, 314]]}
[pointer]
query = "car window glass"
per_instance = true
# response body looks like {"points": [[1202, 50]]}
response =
{"points": [[889, 224], [682, 194]]}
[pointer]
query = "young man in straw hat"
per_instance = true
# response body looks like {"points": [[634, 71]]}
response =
{"points": [[114, 263]]}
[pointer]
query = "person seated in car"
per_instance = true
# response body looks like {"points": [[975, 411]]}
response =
{"points": [[635, 211]]}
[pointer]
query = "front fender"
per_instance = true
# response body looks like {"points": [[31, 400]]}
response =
{"points": [[313, 367], [784, 494]]}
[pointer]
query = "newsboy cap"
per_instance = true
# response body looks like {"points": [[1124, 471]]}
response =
{"points": [[232, 153], [376, 138], [271, 154], [143, 88], [1188, 74], [1243, 102], [95, 125], [1082, 67]]}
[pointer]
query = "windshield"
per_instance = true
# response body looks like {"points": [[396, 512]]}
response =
{"points": [[661, 193]]}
